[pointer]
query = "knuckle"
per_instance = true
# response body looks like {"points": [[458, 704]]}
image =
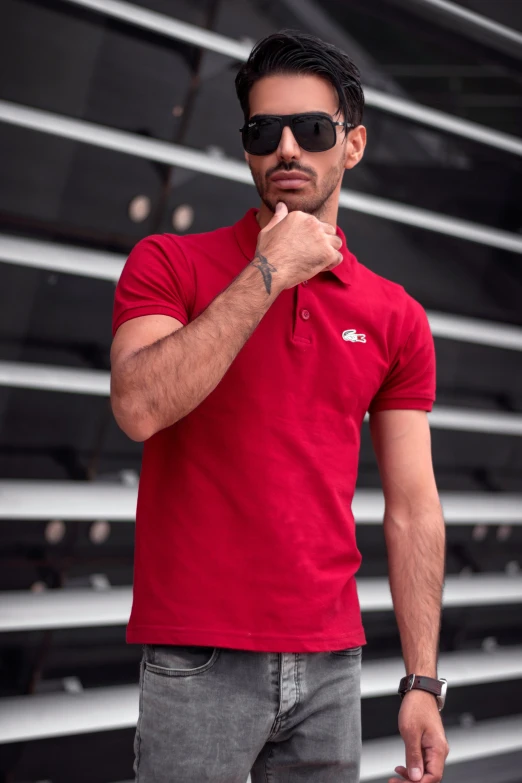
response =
{"points": [[408, 730]]}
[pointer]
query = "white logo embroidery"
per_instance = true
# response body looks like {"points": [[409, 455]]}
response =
{"points": [[351, 336]]}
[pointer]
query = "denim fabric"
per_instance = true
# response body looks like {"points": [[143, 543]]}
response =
{"points": [[214, 715]]}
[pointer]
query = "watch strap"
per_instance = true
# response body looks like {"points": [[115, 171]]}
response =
{"points": [[419, 682]]}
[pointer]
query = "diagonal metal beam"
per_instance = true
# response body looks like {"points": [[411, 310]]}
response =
{"points": [[474, 330], [460, 19], [153, 149], [172, 28], [167, 26], [439, 120]]}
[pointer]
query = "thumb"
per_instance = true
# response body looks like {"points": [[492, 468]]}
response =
{"points": [[414, 758], [281, 211]]}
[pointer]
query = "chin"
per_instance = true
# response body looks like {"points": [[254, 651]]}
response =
{"points": [[301, 205], [294, 203]]}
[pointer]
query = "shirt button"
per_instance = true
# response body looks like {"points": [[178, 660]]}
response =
{"points": [[305, 282], [305, 315]]}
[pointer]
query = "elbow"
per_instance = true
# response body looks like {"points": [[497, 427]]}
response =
{"points": [[131, 420], [137, 434]]}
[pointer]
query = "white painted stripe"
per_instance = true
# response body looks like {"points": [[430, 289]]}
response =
{"points": [[473, 330], [432, 221], [70, 500], [460, 508], [64, 714], [22, 610], [467, 420], [463, 419], [45, 377], [167, 26], [442, 121], [60, 258], [479, 590]]}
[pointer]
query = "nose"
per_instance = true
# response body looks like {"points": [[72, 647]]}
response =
{"points": [[288, 148]]}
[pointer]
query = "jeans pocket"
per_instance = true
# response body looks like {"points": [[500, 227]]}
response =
{"points": [[174, 660], [349, 652]]}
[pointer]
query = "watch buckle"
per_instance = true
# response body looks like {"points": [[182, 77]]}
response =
{"points": [[442, 698], [411, 680]]}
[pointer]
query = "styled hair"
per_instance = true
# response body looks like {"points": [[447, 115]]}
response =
{"points": [[295, 52]]}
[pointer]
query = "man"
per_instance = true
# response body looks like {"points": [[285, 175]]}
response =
{"points": [[246, 359]]}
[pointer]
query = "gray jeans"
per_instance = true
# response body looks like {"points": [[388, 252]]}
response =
{"points": [[214, 715]]}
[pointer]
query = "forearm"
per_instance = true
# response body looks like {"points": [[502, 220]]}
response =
{"points": [[415, 542], [161, 383]]}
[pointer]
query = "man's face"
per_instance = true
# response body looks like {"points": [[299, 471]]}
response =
{"points": [[294, 94]]}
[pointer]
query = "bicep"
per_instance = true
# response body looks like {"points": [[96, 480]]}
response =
{"points": [[402, 444], [138, 333]]}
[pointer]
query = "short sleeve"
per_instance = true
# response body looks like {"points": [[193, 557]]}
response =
{"points": [[410, 381], [157, 279]]}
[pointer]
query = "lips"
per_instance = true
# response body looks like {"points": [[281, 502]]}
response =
{"points": [[289, 179], [282, 176]]}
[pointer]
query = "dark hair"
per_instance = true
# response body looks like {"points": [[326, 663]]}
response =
{"points": [[292, 51]]}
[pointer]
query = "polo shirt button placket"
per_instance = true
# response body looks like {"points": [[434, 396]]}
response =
{"points": [[303, 322]]}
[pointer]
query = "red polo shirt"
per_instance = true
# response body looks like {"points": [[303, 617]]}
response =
{"points": [[244, 532]]}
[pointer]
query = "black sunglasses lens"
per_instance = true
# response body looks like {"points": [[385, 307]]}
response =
{"points": [[314, 133], [262, 136]]}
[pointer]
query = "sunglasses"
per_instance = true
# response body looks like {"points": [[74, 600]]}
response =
{"points": [[313, 132]]}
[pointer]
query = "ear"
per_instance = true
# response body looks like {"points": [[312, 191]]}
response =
{"points": [[355, 146]]}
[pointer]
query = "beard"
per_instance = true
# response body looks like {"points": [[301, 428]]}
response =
{"points": [[313, 203]]}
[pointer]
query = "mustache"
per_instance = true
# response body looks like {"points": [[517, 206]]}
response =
{"points": [[292, 166]]}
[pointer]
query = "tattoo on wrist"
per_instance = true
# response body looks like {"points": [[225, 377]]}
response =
{"points": [[266, 269]]}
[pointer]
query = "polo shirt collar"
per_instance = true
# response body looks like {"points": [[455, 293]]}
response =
{"points": [[247, 229]]}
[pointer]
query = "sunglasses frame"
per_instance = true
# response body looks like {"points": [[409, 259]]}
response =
{"points": [[287, 120]]}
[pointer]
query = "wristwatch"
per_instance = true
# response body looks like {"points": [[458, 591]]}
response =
{"points": [[416, 681]]}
